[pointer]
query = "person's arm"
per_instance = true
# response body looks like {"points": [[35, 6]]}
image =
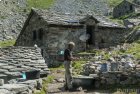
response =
{"points": [[70, 58]]}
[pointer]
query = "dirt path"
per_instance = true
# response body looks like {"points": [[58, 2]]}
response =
{"points": [[57, 86]]}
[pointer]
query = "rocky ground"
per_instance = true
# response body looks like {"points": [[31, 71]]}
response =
{"points": [[81, 6], [12, 16]]}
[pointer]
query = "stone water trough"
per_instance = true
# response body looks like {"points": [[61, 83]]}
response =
{"points": [[83, 81]]}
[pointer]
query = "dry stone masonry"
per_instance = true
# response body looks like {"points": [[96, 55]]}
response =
{"points": [[51, 31], [14, 62], [122, 70]]}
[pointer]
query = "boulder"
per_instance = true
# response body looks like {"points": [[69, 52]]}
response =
{"points": [[5, 91]]}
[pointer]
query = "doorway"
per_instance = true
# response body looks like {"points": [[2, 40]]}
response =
{"points": [[90, 32]]}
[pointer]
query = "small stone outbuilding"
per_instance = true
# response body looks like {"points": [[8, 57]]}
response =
{"points": [[16, 60], [52, 31], [125, 7], [137, 2]]}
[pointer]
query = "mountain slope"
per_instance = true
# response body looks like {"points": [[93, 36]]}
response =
{"points": [[12, 17], [13, 13], [81, 6]]}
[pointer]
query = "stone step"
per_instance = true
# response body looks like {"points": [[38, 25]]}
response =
{"points": [[17, 88]]}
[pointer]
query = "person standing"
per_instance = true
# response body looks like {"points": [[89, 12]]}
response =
{"points": [[67, 64]]}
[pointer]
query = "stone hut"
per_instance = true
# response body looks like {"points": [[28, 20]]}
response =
{"points": [[125, 7], [16, 60], [137, 2], [52, 31]]}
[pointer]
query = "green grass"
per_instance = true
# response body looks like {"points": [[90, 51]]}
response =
{"points": [[135, 49], [7, 43], [120, 21], [57, 68], [113, 3], [77, 66], [41, 4], [47, 80], [85, 53], [3, 17], [131, 36]]}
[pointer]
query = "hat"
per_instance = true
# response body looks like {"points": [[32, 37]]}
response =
{"points": [[71, 43]]}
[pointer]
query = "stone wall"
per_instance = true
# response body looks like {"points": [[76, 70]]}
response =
{"points": [[119, 70], [122, 9], [106, 37]]}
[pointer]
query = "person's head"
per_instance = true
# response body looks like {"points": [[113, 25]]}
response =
{"points": [[71, 45]]}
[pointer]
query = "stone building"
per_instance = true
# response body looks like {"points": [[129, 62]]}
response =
{"points": [[16, 60], [52, 31], [137, 2], [125, 7]]}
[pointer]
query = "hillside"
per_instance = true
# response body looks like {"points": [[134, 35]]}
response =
{"points": [[12, 16], [113, 3], [81, 6], [13, 13]]}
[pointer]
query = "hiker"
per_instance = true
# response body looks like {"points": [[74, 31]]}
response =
{"points": [[67, 64]]}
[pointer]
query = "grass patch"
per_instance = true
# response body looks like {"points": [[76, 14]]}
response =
{"points": [[113, 3], [85, 53], [58, 68], [7, 43], [47, 80], [3, 17], [132, 35], [78, 66], [135, 50], [117, 21], [41, 4], [130, 15]]}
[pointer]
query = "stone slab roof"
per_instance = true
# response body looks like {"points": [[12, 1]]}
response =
{"points": [[70, 19], [14, 60]]}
